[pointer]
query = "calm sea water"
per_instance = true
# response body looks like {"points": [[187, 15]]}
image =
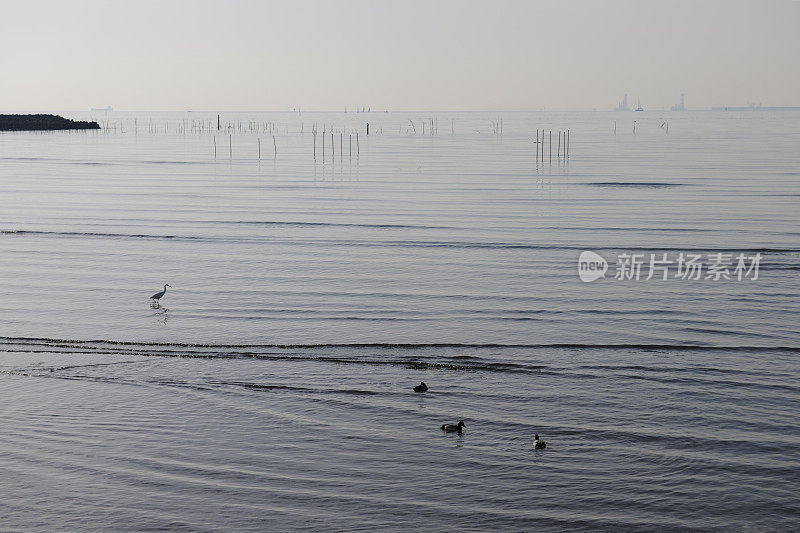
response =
{"points": [[272, 387]]}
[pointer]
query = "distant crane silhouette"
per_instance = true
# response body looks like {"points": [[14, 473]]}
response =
{"points": [[157, 296]]}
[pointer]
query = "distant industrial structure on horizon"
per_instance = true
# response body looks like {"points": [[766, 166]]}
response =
{"points": [[623, 104], [681, 106]]}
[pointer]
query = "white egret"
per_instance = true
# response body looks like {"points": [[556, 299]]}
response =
{"points": [[157, 296]]}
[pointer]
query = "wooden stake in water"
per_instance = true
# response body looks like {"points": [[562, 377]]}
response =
{"points": [[551, 146], [541, 146], [351, 146], [230, 147], [274, 147], [567, 143], [259, 148], [217, 122], [358, 147], [558, 152], [215, 146]]}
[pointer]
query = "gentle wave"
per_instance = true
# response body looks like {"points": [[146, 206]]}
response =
{"points": [[717, 378], [100, 163], [409, 244], [417, 356], [325, 224], [578, 346], [98, 234], [653, 185]]}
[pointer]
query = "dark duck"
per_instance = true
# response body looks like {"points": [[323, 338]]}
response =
{"points": [[454, 428]]}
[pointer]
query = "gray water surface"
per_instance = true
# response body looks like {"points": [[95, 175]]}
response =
{"points": [[272, 387]]}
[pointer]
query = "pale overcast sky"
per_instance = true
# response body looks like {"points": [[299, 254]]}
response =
{"points": [[410, 54]]}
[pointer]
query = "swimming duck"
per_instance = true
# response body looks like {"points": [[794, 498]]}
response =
{"points": [[538, 444], [421, 387], [457, 428]]}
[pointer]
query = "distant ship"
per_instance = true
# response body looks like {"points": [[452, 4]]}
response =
{"points": [[102, 108], [639, 105]]}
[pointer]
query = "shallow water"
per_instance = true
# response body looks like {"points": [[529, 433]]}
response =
{"points": [[272, 387]]}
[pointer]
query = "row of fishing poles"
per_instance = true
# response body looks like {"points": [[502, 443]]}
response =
{"points": [[200, 127], [324, 134], [664, 126], [543, 140], [428, 127], [562, 148], [332, 143], [230, 147]]}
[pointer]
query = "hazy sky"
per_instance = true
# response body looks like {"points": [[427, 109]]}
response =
{"points": [[410, 54]]}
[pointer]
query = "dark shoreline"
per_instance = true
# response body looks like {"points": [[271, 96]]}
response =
{"points": [[43, 123]]}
